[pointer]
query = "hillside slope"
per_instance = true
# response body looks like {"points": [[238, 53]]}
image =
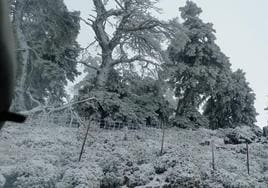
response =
{"points": [[47, 156]]}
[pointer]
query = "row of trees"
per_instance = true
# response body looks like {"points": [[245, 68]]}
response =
{"points": [[146, 69], [208, 92]]}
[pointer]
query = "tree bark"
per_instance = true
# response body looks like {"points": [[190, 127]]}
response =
{"points": [[105, 68], [23, 63], [102, 77]]}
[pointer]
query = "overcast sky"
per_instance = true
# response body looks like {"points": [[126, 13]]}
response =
{"points": [[242, 34]]}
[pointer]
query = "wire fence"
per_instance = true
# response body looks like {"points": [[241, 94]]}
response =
{"points": [[130, 130], [74, 120]]}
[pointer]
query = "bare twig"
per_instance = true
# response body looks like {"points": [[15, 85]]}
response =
{"points": [[87, 21]]}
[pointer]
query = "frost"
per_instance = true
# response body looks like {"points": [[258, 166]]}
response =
{"points": [[47, 156]]}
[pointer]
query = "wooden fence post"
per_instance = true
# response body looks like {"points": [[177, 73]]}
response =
{"points": [[84, 141], [163, 137], [247, 157], [213, 155]]}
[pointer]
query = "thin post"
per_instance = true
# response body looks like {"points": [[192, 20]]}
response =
{"points": [[247, 157], [84, 142], [163, 137], [213, 155]]}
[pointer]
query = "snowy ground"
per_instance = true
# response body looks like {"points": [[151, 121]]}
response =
{"points": [[47, 156]]}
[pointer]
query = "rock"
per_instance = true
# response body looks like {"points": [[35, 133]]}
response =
{"points": [[265, 131], [241, 135]]}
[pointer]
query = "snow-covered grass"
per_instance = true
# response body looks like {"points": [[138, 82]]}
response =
{"points": [[32, 155]]}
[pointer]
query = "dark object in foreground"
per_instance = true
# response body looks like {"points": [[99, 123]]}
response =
{"points": [[7, 68], [10, 116]]}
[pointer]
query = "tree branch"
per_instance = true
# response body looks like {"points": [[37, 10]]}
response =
{"points": [[99, 24], [86, 22], [131, 60], [113, 12], [119, 4], [89, 66], [119, 33], [53, 109], [146, 25]]}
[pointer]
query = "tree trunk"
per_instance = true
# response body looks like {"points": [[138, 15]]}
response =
{"points": [[23, 63], [187, 101], [102, 76], [104, 70]]}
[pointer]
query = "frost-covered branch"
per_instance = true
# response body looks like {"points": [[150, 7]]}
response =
{"points": [[135, 31], [133, 59], [88, 65], [52, 109], [145, 25]]}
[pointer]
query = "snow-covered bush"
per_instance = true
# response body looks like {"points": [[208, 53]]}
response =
{"points": [[130, 100], [32, 173], [183, 175], [81, 176], [241, 134]]}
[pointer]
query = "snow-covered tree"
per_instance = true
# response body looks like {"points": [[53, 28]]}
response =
{"points": [[232, 104], [130, 40], [128, 99], [46, 32], [195, 67], [136, 35]]}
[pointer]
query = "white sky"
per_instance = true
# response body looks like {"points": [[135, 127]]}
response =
{"points": [[242, 34]]}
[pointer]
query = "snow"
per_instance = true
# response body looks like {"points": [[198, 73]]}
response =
{"points": [[35, 155]]}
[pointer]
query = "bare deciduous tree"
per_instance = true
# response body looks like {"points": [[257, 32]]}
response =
{"points": [[137, 35]]}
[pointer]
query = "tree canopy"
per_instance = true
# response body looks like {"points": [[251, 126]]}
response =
{"points": [[47, 50], [233, 104], [141, 62], [200, 71], [136, 36]]}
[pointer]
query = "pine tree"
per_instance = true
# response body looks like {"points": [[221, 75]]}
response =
{"points": [[195, 67], [233, 103]]}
